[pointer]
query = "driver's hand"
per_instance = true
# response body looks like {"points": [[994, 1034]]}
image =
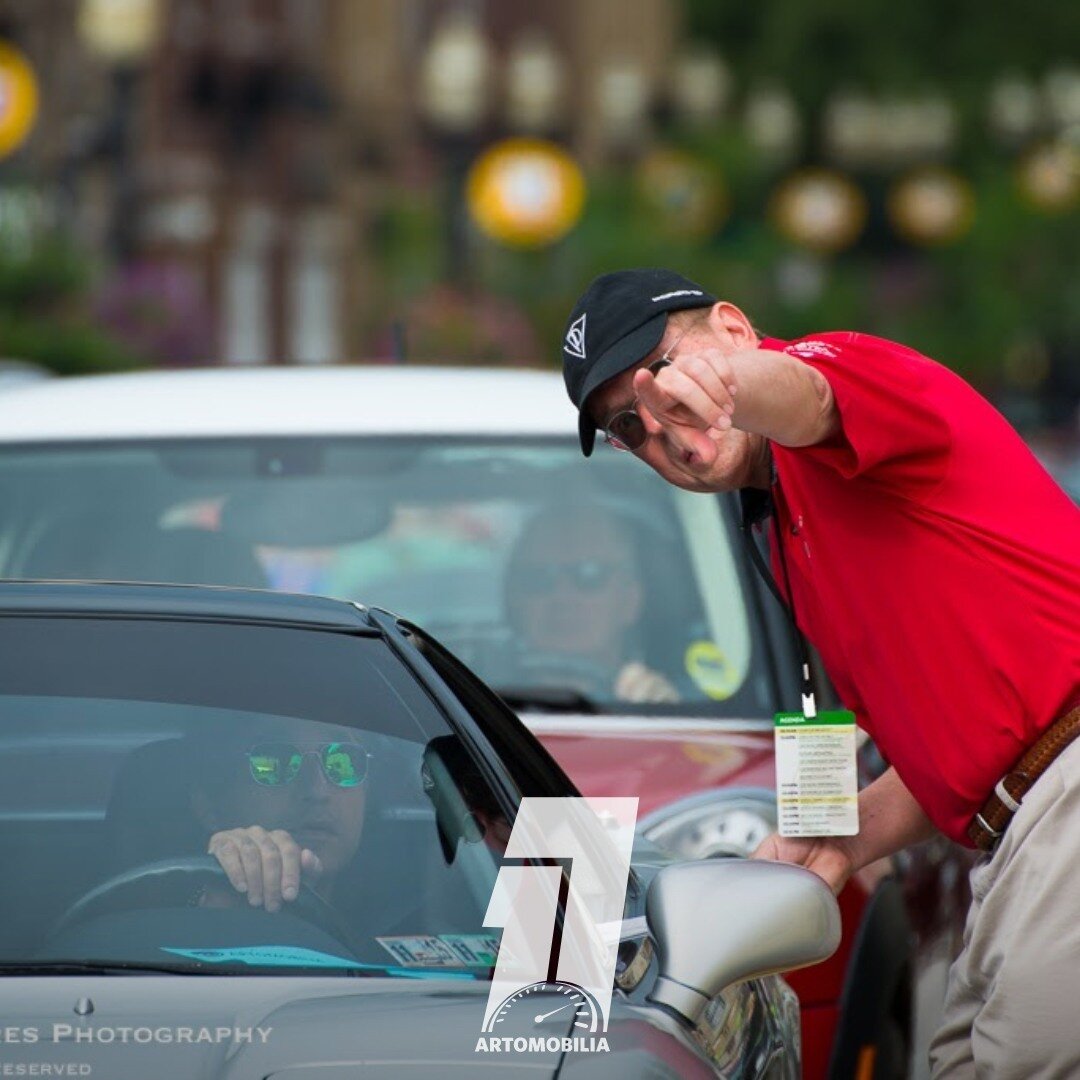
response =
{"points": [[636, 682], [266, 866]]}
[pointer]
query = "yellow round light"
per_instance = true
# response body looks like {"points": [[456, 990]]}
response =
{"points": [[1049, 177], [688, 195], [18, 99], [525, 192], [819, 209], [931, 206]]}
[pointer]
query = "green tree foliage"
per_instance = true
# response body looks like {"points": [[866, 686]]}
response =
{"points": [[44, 309], [814, 47]]}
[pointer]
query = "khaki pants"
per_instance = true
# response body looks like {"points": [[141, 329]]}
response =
{"points": [[1013, 1004]]}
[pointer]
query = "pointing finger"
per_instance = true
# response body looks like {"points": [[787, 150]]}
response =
{"points": [[675, 397]]}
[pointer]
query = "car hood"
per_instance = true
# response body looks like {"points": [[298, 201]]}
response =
{"points": [[253, 1028], [659, 760]]}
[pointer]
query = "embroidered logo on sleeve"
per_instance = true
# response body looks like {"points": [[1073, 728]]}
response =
{"points": [[812, 348], [575, 338]]}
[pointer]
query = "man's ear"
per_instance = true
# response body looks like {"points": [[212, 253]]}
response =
{"points": [[731, 324]]}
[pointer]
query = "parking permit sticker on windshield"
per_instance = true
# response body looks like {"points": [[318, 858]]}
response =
{"points": [[816, 778], [478, 949], [267, 956], [443, 950], [712, 672], [295, 956]]}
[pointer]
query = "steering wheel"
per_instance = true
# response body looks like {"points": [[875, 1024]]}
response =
{"points": [[566, 670], [173, 882]]}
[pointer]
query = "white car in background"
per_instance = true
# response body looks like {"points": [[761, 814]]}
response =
{"points": [[20, 372], [413, 488]]}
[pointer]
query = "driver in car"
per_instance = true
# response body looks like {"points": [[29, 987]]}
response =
{"points": [[284, 808], [573, 597]]}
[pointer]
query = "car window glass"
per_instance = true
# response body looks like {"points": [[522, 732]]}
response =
{"points": [[540, 570], [126, 744]]}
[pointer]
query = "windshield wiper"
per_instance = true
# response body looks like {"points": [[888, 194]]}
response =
{"points": [[547, 699], [192, 967], [103, 967]]}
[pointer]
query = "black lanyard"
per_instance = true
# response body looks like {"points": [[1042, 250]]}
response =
{"points": [[757, 507]]}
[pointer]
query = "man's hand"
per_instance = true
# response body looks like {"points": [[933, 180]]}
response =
{"points": [[683, 448], [889, 820], [828, 856], [696, 390], [638, 683], [707, 412], [266, 866]]}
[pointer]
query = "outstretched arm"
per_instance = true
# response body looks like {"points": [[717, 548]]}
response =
{"points": [[780, 397], [711, 415], [757, 391]]}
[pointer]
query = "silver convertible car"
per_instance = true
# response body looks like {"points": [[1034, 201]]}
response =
{"points": [[251, 835]]}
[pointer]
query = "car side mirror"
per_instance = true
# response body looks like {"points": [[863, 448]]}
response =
{"points": [[720, 921]]}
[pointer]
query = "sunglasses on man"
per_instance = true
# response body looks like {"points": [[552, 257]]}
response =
{"points": [[584, 575], [344, 764], [625, 430]]}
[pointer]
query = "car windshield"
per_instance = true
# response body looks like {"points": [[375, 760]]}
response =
{"points": [[563, 583], [128, 744]]}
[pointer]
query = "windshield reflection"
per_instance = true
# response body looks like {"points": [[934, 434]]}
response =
{"points": [[553, 578], [158, 809]]}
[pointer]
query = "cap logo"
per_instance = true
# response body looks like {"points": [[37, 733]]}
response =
{"points": [[575, 338], [677, 292]]}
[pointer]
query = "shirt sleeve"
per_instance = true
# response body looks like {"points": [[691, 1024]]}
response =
{"points": [[892, 428]]}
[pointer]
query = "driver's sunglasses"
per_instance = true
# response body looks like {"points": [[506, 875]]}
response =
{"points": [[344, 764], [585, 575], [625, 430]]}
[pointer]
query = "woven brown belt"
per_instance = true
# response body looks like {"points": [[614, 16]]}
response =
{"points": [[987, 826]]}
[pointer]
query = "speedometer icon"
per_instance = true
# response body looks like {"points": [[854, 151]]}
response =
{"points": [[543, 1000]]}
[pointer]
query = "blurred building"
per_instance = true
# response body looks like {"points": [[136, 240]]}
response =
{"points": [[238, 143]]}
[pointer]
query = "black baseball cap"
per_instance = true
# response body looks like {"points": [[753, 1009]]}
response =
{"points": [[618, 321]]}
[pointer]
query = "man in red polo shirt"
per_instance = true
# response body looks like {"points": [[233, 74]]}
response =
{"points": [[935, 565]]}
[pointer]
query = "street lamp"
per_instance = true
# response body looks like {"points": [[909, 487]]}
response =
{"points": [[1015, 109], [455, 75], [622, 101], [454, 94], [931, 206], [772, 122], [700, 85], [853, 129], [122, 33], [535, 82], [1062, 91], [819, 209]]}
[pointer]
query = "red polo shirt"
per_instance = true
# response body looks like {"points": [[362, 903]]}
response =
{"points": [[935, 565]]}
